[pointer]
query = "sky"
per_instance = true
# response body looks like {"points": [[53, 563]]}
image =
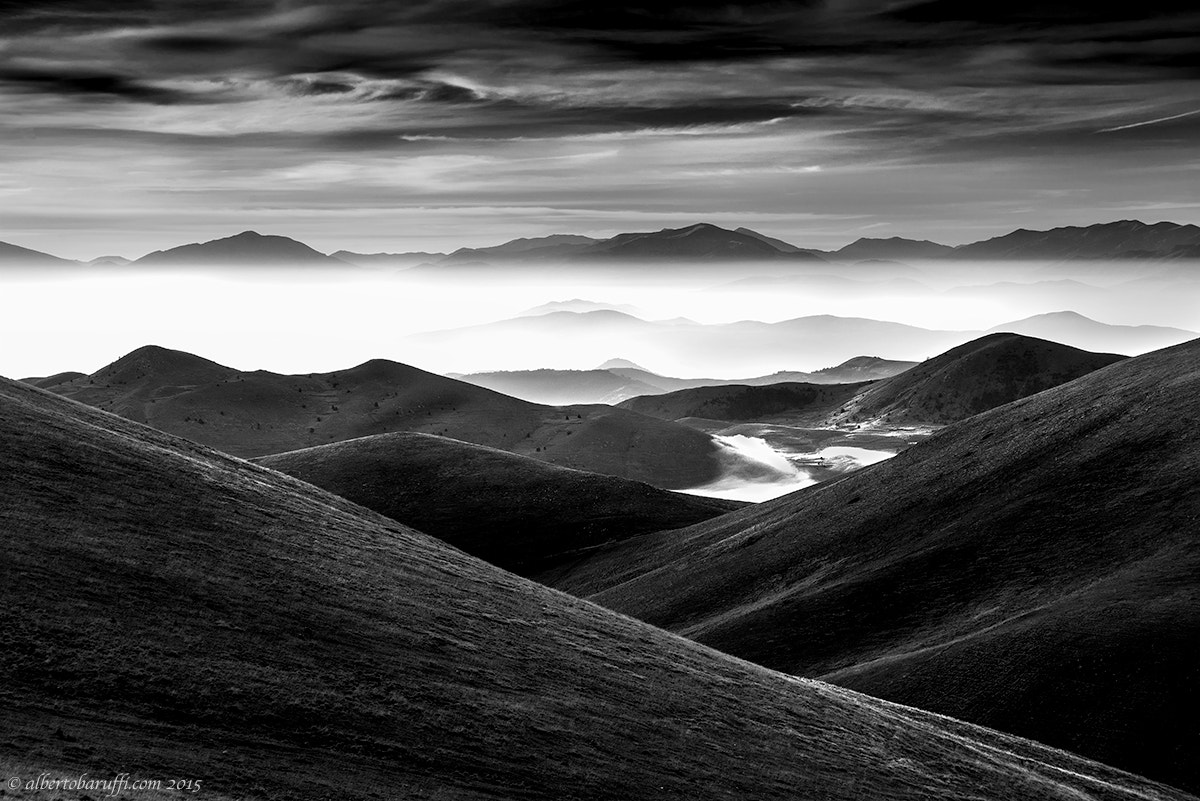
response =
{"points": [[134, 125]]}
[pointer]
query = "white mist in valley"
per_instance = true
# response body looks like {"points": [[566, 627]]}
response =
{"points": [[752, 471], [691, 321]]}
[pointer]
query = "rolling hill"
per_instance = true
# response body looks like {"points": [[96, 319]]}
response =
{"points": [[972, 378], [1034, 568], [258, 413], [538, 516], [795, 401], [248, 248], [45, 382], [172, 611]]}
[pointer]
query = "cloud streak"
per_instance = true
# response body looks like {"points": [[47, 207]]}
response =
{"points": [[187, 110], [1149, 122]]}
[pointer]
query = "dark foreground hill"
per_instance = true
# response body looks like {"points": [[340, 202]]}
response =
{"points": [[171, 611], [257, 413], [972, 378], [1035, 568], [515, 512]]}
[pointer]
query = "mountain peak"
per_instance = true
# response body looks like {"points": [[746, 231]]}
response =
{"points": [[249, 248], [621, 364], [161, 365]]}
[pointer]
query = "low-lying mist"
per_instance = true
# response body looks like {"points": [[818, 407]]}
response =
{"points": [[312, 319]]}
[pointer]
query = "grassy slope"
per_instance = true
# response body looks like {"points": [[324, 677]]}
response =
{"points": [[741, 402], [1034, 568], [972, 378], [256, 413], [515, 512], [174, 611]]}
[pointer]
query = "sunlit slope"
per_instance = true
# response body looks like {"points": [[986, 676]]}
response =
{"points": [[972, 378], [515, 512], [174, 611], [257, 413], [1035, 568]]}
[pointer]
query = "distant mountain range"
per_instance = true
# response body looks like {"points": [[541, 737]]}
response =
{"points": [[699, 243], [616, 383], [249, 248], [744, 346], [14, 255], [1124, 239]]}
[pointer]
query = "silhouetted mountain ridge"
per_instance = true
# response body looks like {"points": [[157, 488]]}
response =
{"points": [[248, 248]]}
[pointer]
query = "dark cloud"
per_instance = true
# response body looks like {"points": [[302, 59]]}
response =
{"points": [[89, 84], [194, 44]]}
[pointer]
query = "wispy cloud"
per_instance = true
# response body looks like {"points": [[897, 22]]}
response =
{"points": [[1149, 122], [228, 109]]}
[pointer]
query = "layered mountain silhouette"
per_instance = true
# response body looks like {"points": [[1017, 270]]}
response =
{"points": [[110, 261], [734, 348], [538, 516], [247, 248], [257, 413], [778, 244], [410, 259], [698, 243], [1122, 239], [1033, 568], [578, 305], [15, 255], [1071, 327], [181, 612], [738, 348], [895, 247], [616, 383], [555, 246], [972, 378]]}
